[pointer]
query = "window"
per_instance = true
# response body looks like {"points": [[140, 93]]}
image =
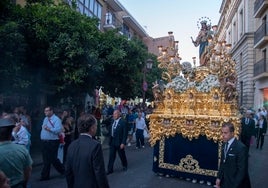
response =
{"points": [[264, 58], [264, 19], [241, 93], [90, 8], [125, 30], [229, 37], [234, 33], [80, 7], [241, 23], [87, 3], [241, 61]]}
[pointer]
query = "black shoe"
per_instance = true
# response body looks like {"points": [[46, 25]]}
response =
{"points": [[43, 179], [124, 168], [109, 172]]}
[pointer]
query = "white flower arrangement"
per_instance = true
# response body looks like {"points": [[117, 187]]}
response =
{"points": [[181, 84], [208, 83]]}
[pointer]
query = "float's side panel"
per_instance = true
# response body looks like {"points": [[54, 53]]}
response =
{"points": [[180, 157]]}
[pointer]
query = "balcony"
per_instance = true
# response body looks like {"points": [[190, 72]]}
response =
{"points": [[260, 69], [110, 21], [261, 36], [259, 7], [134, 25]]}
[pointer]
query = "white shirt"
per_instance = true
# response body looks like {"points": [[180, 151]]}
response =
{"points": [[140, 123], [86, 134], [261, 123], [115, 123], [230, 142], [21, 137]]}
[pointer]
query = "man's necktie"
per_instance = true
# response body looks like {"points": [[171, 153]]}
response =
{"points": [[113, 128], [247, 120], [225, 150]]}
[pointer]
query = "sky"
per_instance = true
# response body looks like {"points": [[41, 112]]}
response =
{"points": [[158, 17]]}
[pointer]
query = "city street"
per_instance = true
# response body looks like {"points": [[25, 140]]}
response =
{"points": [[140, 174]]}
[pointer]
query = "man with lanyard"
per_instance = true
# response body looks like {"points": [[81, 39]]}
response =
{"points": [[51, 129]]}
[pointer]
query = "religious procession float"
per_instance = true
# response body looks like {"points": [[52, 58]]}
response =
{"points": [[185, 127]]}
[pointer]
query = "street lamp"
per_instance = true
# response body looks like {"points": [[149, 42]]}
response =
{"points": [[147, 66]]}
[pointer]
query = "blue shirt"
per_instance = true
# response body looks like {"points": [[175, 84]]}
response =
{"points": [[131, 118], [55, 127]]}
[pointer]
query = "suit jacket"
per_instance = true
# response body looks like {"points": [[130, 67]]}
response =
{"points": [[233, 171], [120, 133], [85, 164], [247, 130]]}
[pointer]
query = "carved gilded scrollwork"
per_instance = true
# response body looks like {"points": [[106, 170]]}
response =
{"points": [[189, 126]]}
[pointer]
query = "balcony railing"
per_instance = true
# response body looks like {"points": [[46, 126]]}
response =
{"points": [[111, 22], [259, 7], [260, 67], [260, 33]]}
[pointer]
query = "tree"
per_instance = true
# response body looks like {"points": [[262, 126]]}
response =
{"points": [[57, 48], [123, 62], [56, 51], [12, 53]]}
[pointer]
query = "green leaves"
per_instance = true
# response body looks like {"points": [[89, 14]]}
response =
{"points": [[64, 52]]}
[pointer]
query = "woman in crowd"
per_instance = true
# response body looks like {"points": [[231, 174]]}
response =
{"points": [[262, 128]]}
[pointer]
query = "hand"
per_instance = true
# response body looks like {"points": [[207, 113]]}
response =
{"points": [[16, 128], [122, 146], [46, 128], [218, 183]]}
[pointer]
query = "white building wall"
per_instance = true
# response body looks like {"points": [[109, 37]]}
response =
{"points": [[239, 31], [261, 83]]}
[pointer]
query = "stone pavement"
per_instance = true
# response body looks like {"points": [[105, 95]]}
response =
{"points": [[140, 174], [36, 152]]}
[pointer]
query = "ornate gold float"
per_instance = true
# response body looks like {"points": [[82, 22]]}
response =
{"points": [[190, 106], [196, 100]]}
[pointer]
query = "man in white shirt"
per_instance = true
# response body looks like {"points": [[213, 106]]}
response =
{"points": [[140, 127]]}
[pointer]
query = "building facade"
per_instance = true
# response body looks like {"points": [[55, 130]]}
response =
{"points": [[236, 27], [260, 71], [113, 15]]}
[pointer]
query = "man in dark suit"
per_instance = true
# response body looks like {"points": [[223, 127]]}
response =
{"points": [[247, 129], [233, 171], [118, 137], [84, 162]]}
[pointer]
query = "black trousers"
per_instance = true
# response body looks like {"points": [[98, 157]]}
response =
{"points": [[112, 157], [260, 138], [50, 156], [139, 138]]}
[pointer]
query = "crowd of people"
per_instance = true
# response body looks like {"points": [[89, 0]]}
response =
{"points": [[58, 131], [120, 124]]}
